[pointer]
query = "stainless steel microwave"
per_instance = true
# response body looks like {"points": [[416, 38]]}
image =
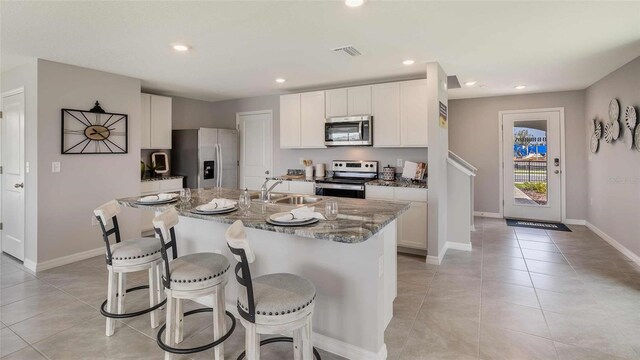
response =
{"points": [[349, 131]]}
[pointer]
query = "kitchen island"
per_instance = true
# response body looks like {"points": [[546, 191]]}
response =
{"points": [[351, 261]]}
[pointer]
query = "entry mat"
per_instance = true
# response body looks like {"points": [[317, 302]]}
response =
{"points": [[538, 225]]}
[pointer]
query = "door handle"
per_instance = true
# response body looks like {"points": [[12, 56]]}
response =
{"points": [[18, 186]]}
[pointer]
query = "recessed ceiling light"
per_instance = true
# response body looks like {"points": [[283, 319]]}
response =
{"points": [[520, 87], [180, 47], [408, 62], [470, 83], [353, 3], [280, 80]]}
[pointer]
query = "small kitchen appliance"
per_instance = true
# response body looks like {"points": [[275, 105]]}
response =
{"points": [[348, 131], [349, 178], [388, 173]]}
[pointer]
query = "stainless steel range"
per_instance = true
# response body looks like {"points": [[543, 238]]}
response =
{"points": [[348, 178]]}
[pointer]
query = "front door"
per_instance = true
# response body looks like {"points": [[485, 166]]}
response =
{"points": [[532, 165], [13, 175], [255, 148]]}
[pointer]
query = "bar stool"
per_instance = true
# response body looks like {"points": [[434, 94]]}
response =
{"points": [[271, 304], [125, 257], [190, 277]]}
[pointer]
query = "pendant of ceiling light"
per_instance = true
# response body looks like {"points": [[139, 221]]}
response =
{"points": [[353, 3]]}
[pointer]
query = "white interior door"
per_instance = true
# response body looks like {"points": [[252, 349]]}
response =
{"points": [[13, 175], [532, 163], [255, 148]]}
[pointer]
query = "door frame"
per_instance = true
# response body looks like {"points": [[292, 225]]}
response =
{"points": [[16, 91], [269, 141], [563, 152]]}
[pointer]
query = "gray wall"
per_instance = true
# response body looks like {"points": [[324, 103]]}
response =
{"points": [[474, 135], [26, 76], [614, 172], [191, 114], [66, 200]]}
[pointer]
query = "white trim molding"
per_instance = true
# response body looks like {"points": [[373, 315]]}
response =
{"points": [[575, 222], [487, 214], [64, 260], [458, 246], [626, 252], [437, 260]]}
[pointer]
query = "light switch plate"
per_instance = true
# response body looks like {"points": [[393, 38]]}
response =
{"points": [[55, 167], [399, 163]]}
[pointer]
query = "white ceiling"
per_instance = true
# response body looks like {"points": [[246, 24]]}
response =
{"points": [[239, 48]]}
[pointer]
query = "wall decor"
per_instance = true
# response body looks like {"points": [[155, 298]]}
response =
{"points": [[595, 143], [614, 110], [598, 128], [94, 131], [627, 138], [615, 130], [636, 137], [630, 117], [608, 132]]}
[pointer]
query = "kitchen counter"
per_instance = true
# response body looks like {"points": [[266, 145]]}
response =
{"points": [[160, 178], [398, 183], [351, 261], [357, 221]]}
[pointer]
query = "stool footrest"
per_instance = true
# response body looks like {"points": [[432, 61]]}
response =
{"points": [[208, 346], [316, 354], [131, 314]]}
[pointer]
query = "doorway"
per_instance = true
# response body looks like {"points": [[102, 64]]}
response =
{"points": [[532, 171], [256, 147], [13, 170]]}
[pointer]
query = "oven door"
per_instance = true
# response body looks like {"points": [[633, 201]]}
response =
{"points": [[347, 131], [340, 190]]}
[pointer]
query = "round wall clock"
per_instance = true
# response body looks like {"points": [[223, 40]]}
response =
{"points": [[93, 131], [630, 117], [614, 110]]}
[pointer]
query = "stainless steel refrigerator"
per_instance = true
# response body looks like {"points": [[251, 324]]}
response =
{"points": [[206, 157]]}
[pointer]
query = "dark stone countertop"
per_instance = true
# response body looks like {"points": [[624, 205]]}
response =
{"points": [[399, 183], [160, 178], [358, 219]]}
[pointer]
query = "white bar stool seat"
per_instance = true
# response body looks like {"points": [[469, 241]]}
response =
{"points": [[271, 304], [123, 257]]}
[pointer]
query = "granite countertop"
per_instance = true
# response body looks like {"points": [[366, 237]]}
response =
{"points": [[162, 178], [290, 178], [358, 219], [399, 183]]}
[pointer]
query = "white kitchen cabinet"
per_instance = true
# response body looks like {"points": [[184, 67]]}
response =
{"points": [[336, 102], [156, 122], [302, 187], [312, 119], [413, 113], [386, 114], [412, 225], [290, 121], [145, 122], [359, 100]]}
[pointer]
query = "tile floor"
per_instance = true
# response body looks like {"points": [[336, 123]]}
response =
{"points": [[520, 294]]}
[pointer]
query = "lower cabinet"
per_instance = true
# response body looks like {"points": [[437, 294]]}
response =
{"points": [[412, 225]]}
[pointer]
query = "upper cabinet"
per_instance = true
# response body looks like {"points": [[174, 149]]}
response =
{"points": [[413, 113], [348, 101], [386, 115], [399, 111], [359, 99], [290, 121], [155, 132], [302, 120]]}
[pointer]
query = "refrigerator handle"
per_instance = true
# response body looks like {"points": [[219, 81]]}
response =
{"points": [[219, 165]]}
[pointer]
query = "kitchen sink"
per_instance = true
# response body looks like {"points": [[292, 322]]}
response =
{"points": [[298, 200], [274, 197]]}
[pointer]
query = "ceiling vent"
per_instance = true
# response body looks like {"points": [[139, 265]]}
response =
{"points": [[349, 49]]}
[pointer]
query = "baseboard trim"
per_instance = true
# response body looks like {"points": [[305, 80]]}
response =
{"points": [[575, 222], [30, 265], [458, 246], [626, 252], [487, 214], [64, 260]]}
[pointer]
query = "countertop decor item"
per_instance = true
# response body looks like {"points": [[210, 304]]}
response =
{"points": [[608, 132], [388, 173], [630, 117], [614, 110], [595, 143], [93, 131]]}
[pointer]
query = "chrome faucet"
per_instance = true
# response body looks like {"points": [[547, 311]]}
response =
{"points": [[265, 194]]}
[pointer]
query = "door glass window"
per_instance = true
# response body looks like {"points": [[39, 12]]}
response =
{"points": [[530, 162]]}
